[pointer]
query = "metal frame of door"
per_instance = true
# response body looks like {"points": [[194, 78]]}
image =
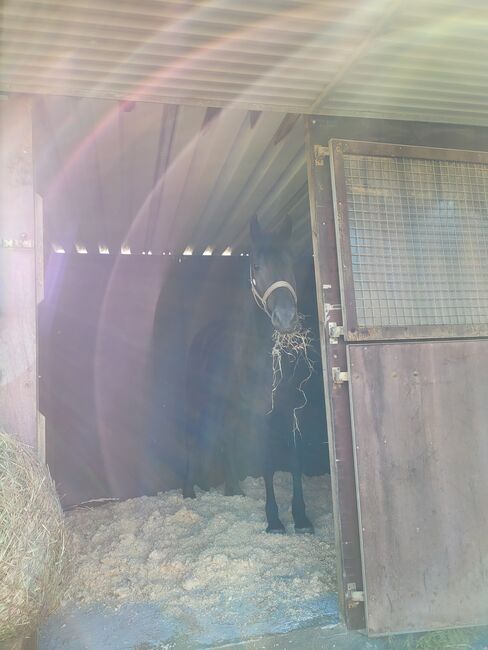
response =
{"points": [[339, 427]]}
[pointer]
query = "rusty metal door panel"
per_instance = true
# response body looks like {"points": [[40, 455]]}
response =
{"points": [[420, 421]]}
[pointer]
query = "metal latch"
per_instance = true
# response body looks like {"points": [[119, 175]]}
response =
{"points": [[335, 331], [353, 596], [338, 376]]}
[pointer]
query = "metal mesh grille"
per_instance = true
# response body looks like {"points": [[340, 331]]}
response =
{"points": [[419, 241]]}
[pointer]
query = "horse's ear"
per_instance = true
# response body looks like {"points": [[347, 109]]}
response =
{"points": [[256, 233], [284, 233]]}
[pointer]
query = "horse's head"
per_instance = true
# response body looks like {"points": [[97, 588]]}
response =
{"points": [[272, 277]]}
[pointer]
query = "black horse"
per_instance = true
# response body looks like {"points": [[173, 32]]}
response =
{"points": [[229, 383]]}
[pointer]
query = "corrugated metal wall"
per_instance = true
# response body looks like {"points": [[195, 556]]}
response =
{"points": [[408, 59], [166, 179]]}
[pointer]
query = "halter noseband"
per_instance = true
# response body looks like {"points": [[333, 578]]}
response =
{"points": [[262, 301]]}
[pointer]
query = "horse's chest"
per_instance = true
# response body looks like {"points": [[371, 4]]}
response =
{"points": [[265, 387]]}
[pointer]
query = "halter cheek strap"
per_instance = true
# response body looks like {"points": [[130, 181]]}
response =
{"points": [[262, 301]]}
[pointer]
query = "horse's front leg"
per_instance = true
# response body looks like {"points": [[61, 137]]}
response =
{"points": [[272, 514], [302, 522]]}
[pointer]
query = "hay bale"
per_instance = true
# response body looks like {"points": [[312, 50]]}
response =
{"points": [[32, 540]]}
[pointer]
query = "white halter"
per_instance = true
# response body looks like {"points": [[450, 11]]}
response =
{"points": [[262, 301]]}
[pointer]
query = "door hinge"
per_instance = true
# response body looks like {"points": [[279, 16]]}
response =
{"points": [[335, 331], [338, 376], [328, 308], [320, 153], [354, 596]]}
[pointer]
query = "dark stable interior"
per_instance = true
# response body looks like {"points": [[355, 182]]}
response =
{"points": [[114, 338]]}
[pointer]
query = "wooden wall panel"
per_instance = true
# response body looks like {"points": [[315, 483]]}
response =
{"points": [[18, 378]]}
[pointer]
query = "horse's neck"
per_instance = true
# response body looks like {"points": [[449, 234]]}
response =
{"points": [[262, 325], [252, 320], [251, 332]]}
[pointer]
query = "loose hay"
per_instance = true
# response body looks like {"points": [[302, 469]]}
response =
{"points": [[296, 346], [32, 540]]}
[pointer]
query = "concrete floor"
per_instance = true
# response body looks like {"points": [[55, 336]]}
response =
{"points": [[145, 626], [336, 637], [142, 627]]}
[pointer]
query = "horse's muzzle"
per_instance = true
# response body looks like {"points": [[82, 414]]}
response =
{"points": [[285, 320]]}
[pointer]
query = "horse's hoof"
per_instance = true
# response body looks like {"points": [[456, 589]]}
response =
{"points": [[189, 494], [305, 530], [277, 529]]}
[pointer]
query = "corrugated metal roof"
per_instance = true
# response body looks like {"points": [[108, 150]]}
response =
{"points": [[414, 59], [429, 63], [164, 178], [175, 174], [275, 54]]}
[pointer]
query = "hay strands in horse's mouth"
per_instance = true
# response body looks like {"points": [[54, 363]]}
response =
{"points": [[296, 346]]}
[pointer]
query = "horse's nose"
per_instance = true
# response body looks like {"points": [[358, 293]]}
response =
{"points": [[284, 319]]}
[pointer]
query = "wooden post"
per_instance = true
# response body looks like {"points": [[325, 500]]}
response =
{"points": [[39, 252], [18, 327], [20, 244]]}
